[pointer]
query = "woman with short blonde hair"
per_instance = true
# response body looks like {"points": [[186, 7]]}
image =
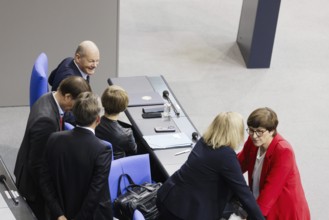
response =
{"points": [[226, 129], [203, 186]]}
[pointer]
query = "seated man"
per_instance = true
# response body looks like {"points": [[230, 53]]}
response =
{"points": [[115, 100], [84, 64], [75, 174]]}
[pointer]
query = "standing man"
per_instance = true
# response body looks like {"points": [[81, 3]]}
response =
{"points": [[44, 119], [84, 64], [77, 166]]}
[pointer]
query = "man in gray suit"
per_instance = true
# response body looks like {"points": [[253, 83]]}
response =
{"points": [[44, 119]]}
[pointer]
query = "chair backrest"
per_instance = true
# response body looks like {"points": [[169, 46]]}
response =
{"points": [[137, 166], [109, 145], [39, 78], [138, 215], [68, 126]]}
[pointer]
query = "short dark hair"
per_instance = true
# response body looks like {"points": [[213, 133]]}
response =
{"points": [[265, 118], [86, 108], [74, 85], [114, 100]]}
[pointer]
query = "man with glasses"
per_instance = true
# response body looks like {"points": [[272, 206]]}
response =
{"points": [[272, 169]]}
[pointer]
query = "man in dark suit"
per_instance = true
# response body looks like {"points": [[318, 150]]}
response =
{"points": [[43, 120], [84, 64], [77, 166]]}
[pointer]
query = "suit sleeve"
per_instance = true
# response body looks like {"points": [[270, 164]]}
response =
{"points": [[59, 77], [39, 134], [47, 187], [233, 176], [280, 166], [98, 182], [132, 146]]}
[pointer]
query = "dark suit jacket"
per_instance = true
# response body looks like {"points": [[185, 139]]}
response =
{"points": [[65, 69], [121, 138], [76, 182], [201, 188], [43, 120]]}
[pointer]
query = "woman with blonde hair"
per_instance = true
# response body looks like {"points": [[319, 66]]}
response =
{"points": [[202, 187]]}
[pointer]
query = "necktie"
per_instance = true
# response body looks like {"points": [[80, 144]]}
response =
{"points": [[87, 78], [61, 123]]}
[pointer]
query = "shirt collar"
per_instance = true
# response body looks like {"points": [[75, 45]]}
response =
{"points": [[258, 154], [60, 110], [84, 75], [88, 128]]}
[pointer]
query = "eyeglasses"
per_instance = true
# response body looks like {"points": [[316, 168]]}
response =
{"points": [[257, 132]]}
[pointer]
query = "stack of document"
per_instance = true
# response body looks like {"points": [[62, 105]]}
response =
{"points": [[165, 141]]}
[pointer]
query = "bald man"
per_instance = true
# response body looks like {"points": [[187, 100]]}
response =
{"points": [[84, 64]]}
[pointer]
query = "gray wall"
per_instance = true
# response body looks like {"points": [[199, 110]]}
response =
{"points": [[56, 28]]}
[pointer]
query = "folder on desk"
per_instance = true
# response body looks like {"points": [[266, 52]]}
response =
{"points": [[140, 91], [165, 141], [145, 99]]}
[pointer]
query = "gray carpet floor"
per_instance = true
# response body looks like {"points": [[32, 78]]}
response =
{"points": [[192, 44]]}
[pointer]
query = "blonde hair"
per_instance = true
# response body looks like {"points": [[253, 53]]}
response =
{"points": [[227, 129]]}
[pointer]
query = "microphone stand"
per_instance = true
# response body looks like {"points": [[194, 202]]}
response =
{"points": [[165, 94], [3, 180]]}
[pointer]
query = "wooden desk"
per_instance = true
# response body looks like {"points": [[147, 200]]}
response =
{"points": [[163, 162]]}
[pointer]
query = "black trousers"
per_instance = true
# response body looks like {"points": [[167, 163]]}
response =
{"points": [[38, 207]]}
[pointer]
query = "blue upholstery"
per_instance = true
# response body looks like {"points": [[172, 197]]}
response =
{"points": [[68, 126], [115, 172], [138, 215], [137, 166], [39, 78], [109, 145]]}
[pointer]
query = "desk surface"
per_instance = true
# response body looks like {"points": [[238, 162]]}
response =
{"points": [[166, 159]]}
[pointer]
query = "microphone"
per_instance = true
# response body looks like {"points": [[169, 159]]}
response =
{"points": [[3, 180], [165, 95], [195, 136]]}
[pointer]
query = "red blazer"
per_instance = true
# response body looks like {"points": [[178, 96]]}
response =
{"points": [[281, 192]]}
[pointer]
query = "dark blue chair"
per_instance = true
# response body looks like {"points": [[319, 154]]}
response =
{"points": [[39, 78]]}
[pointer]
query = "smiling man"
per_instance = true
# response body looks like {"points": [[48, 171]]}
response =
{"points": [[84, 64]]}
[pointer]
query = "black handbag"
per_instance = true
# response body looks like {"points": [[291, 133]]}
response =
{"points": [[141, 197]]}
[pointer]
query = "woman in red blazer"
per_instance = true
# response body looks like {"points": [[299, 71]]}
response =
{"points": [[272, 170]]}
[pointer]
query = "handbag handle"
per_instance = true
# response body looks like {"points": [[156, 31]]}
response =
{"points": [[130, 180], [148, 188]]}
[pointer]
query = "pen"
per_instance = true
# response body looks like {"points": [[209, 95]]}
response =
{"points": [[182, 152]]}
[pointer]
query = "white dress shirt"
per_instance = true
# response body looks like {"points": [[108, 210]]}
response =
{"points": [[257, 172]]}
